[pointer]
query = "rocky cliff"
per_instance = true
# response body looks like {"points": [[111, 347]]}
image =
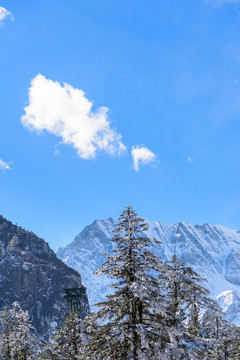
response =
{"points": [[31, 274]]}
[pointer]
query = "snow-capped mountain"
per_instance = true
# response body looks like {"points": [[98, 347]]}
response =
{"points": [[31, 274], [213, 251]]}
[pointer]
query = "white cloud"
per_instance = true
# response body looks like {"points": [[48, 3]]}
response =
{"points": [[66, 112], [4, 13], [190, 159], [142, 155], [4, 166]]}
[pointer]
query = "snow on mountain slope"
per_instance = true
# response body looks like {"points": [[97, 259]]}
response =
{"points": [[84, 253], [211, 250]]}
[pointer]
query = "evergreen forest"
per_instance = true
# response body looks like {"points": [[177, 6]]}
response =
{"points": [[157, 310]]}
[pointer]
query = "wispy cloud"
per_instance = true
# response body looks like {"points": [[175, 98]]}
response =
{"points": [[4, 13], [142, 156], [66, 112], [190, 160], [4, 165]]}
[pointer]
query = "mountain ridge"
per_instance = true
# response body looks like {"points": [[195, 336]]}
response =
{"points": [[213, 251]]}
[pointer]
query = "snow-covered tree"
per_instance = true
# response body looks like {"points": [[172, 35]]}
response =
{"points": [[66, 342], [128, 328], [213, 328], [17, 338], [184, 292], [223, 337], [133, 320], [91, 330], [232, 342], [6, 320], [185, 297]]}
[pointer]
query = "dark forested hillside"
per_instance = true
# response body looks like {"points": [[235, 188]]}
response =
{"points": [[31, 274]]}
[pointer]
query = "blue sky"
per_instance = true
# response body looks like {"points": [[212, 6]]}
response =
{"points": [[89, 87]]}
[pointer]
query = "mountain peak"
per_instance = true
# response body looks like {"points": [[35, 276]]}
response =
{"points": [[211, 250]]}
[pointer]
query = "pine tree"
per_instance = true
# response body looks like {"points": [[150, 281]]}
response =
{"points": [[128, 327], [17, 337], [213, 328], [184, 292], [223, 337], [91, 329], [232, 342], [66, 342], [185, 297], [5, 336]]}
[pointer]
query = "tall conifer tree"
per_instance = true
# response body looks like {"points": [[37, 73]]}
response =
{"points": [[185, 297], [129, 329]]}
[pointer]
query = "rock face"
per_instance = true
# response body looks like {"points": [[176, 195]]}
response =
{"points": [[31, 274], [213, 251]]}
